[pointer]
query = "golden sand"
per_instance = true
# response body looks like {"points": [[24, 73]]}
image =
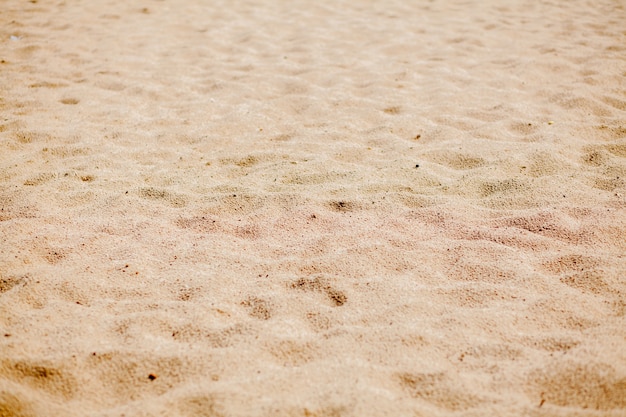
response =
{"points": [[312, 208]]}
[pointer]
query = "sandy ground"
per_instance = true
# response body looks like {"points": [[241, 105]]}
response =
{"points": [[312, 208]]}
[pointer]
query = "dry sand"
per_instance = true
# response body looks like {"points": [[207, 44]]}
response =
{"points": [[313, 208]]}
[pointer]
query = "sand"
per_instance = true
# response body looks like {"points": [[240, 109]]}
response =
{"points": [[313, 208]]}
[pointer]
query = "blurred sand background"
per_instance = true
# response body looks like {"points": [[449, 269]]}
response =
{"points": [[312, 208]]}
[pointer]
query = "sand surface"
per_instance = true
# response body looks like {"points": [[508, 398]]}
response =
{"points": [[312, 208]]}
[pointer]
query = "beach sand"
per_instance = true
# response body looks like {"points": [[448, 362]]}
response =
{"points": [[313, 208]]}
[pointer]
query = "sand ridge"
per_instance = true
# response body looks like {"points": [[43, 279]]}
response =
{"points": [[312, 208]]}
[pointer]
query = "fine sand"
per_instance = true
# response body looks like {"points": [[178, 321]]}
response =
{"points": [[312, 208]]}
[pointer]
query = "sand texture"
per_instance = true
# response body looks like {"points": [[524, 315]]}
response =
{"points": [[312, 208]]}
